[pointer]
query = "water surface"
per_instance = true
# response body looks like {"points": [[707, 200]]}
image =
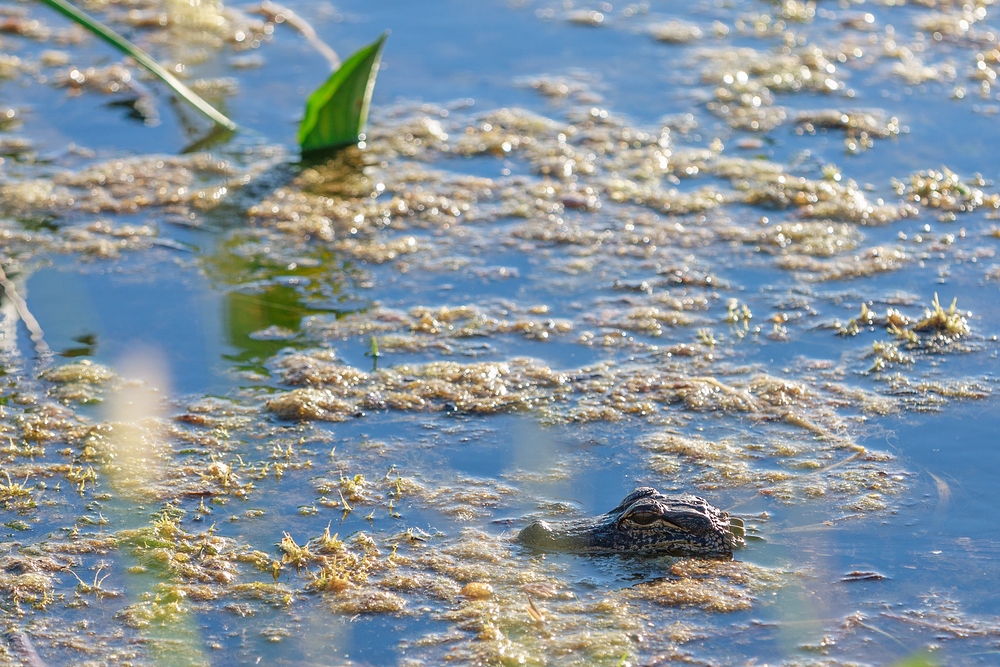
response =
{"points": [[585, 270]]}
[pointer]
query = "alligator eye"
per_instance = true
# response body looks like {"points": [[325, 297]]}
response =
{"points": [[642, 518]]}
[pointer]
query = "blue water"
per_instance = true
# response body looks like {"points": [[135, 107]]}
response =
{"points": [[198, 306]]}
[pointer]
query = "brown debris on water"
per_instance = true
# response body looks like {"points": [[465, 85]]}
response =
{"points": [[946, 323], [81, 381], [860, 127], [475, 388], [577, 86], [668, 200], [368, 601], [99, 240], [746, 81], [868, 262], [520, 384], [198, 181], [529, 610], [28, 581], [942, 328], [310, 404], [720, 587], [676, 32], [823, 199], [649, 320], [10, 66], [944, 190], [813, 459], [887, 355], [809, 238], [467, 500], [114, 78], [318, 369], [933, 395], [477, 590]]}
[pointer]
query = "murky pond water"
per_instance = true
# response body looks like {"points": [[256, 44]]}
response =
{"points": [[740, 249]]}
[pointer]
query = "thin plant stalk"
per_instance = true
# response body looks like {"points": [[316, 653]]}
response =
{"points": [[281, 14], [144, 59], [21, 306]]}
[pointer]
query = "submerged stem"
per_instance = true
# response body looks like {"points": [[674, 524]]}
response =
{"points": [[21, 306], [281, 14]]}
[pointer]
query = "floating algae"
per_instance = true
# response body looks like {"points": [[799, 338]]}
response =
{"points": [[575, 269]]}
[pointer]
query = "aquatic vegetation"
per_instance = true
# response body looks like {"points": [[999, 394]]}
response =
{"points": [[747, 80], [860, 127], [15, 495], [29, 581], [810, 238], [945, 325], [81, 381], [192, 182], [140, 56], [868, 262], [948, 323], [436, 386], [337, 111], [944, 190], [570, 292], [886, 355], [676, 32], [718, 588]]}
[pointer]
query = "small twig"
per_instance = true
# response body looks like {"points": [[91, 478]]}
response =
{"points": [[810, 528], [281, 14], [872, 628], [944, 494], [533, 611], [852, 457], [21, 306], [732, 391]]}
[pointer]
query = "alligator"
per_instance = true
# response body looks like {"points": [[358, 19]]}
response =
{"points": [[645, 522]]}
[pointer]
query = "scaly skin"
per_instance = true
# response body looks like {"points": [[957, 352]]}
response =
{"points": [[645, 522]]}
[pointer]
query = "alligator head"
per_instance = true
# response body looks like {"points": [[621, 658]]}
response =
{"points": [[646, 522]]}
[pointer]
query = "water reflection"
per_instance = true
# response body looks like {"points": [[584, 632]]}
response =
{"points": [[472, 479], [266, 299], [87, 346]]}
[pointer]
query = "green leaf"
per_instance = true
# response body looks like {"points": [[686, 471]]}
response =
{"points": [[143, 58], [336, 112]]}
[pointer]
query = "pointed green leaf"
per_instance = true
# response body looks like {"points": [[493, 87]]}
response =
{"points": [[336, 112]]}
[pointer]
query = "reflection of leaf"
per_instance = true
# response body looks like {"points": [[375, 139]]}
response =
{"points": [[336, 111], [266, 300], [918, 660], [218, 135]]}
